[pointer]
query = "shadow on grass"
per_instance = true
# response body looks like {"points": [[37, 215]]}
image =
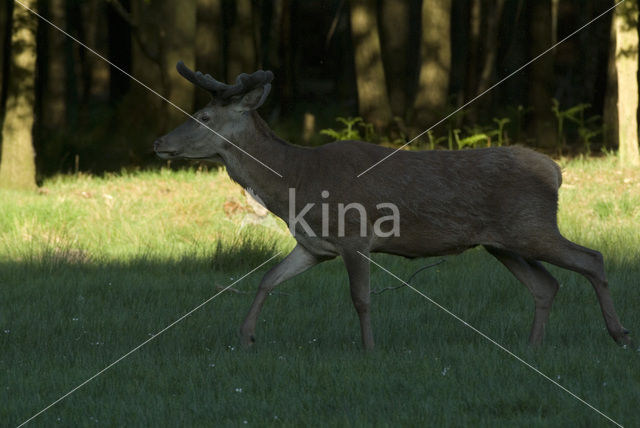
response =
{"points": [[220, 258], [63, 318]]}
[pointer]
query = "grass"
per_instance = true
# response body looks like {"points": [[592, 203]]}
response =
{"points": [[92, 267]]}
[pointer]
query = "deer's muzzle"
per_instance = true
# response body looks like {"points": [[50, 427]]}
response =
{"points": [[163, 152]]}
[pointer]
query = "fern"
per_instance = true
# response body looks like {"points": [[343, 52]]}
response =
{"points": [[574, 114], [433, 141], [470, 141], [350, 130], [500, 133], [586, 135]]}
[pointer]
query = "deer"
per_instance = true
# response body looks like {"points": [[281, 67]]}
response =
{"points": [[504, 199]]}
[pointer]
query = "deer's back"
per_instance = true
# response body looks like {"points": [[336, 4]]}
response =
{"points": [[477, 171], [448, 200]]}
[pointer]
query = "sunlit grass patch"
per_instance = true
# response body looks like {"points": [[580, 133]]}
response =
{"points": [[123, 216]]}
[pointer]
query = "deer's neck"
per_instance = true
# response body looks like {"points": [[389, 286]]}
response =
{"points": [[267, 156]]}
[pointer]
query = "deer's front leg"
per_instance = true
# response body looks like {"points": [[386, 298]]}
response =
{"points": [[297, 261], [358, 270]]}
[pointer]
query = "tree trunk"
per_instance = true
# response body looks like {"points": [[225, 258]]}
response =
{"points": [[164, 33], [208, 44], [491, 44], [373, 102], [118, 51], [180, 19], [268, 28], [72, 62], [626, 18], [242, 56], [541, 76], [95, 83], [148, 61], [435, 62], [17, 167], [53, 96], [473, 57], [394, 21], [4, 24], [285, 56], [610, 109], [5, 56]]}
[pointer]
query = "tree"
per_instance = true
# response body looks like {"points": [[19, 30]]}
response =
{"points": [[395, 26], [626, 24], [541, 75], [473, 49], [435, 62], [243, 39], [284, 21], [610, 104], [17, 166], [181, 28], [118, 48], [164, 34], [5, 43], [492, 23], [373, 102], [54, 77], [208, 44]]}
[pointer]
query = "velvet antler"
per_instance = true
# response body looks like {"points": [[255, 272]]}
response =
{"points": [[218, 90]]}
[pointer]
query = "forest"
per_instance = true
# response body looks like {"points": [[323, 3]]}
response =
{"points": [[557, 75]]}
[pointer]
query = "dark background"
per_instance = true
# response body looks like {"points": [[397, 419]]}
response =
{"points": [[91, 117]]}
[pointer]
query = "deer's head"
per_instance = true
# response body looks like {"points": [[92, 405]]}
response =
{"points": [[207, 134]]}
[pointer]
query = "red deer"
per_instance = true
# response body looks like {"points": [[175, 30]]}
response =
{"points": [[503, 199]]}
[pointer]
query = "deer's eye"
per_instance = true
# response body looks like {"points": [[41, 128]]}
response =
{"points": [[204, 118]]}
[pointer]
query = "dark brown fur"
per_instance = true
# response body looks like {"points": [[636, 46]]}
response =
{"points": [[504, 199]]}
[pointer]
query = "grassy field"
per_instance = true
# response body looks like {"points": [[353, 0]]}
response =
{"points": [[92, 267]]}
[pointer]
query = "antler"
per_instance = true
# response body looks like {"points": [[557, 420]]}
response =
{"points": [[244, 82]]}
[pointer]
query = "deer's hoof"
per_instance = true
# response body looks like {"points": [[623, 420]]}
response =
{"points": [[623, 339], [248, 341]]}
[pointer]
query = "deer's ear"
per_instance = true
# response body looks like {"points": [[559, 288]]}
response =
{"points": [[253, 99]]}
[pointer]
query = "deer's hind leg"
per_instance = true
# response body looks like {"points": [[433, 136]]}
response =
{"points": [[542, 285], [589, 263]]}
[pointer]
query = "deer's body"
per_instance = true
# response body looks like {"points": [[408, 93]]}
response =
{"points": [[504, 199]]}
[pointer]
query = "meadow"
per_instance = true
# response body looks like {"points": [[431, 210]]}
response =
{"points": [[91, 267]]}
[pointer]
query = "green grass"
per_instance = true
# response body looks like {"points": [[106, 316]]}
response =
{"points": [[91, 267]]}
